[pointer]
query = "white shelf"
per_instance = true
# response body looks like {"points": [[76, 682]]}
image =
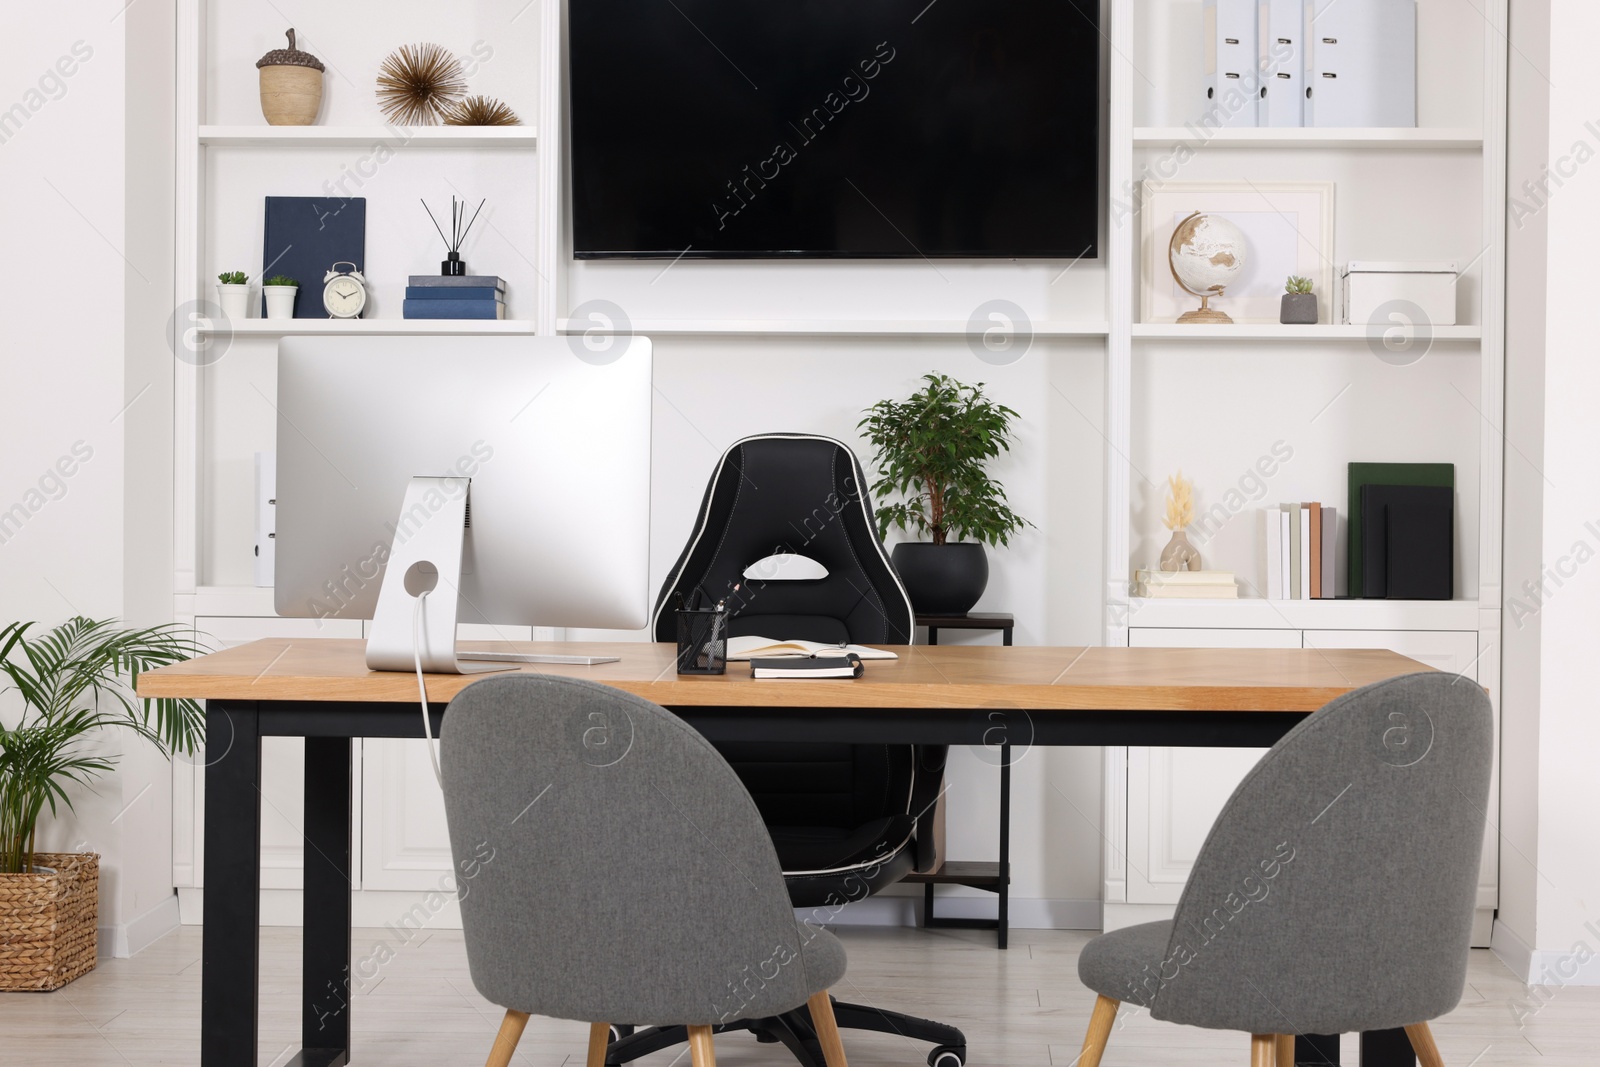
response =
{"points": [[1307, 137], [1277, 332], [833, 327], [370, 327], [360, 136], [1257, 614]]}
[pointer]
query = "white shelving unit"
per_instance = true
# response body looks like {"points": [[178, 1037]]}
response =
{"points": [[275, 328], [363, 136], [1275, 333], [1225, 403], [1208, 400], [1263, 137], [826, 328]]}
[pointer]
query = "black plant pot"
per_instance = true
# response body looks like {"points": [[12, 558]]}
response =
{"points": [[942, 579]]}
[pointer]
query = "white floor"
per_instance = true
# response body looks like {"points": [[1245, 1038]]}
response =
{"points": [[1021, 1007]]}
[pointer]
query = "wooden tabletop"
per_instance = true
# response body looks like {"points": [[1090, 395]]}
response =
{"points": [[937, 676]]}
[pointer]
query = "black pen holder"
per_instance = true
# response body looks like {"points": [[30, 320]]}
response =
{"points": [[702, 641]]}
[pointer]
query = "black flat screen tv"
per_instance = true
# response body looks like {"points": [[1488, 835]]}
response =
{"points": [[835, 128]]}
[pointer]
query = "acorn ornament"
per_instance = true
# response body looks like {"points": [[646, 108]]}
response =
{"points": [[291, 86]]}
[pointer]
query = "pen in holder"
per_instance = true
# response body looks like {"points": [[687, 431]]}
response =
{"points": [[702, 641]]}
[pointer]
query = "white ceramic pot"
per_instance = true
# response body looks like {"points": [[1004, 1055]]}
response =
{"points": [[280, 300], [235, 301]]}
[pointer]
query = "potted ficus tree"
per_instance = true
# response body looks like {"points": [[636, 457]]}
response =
{"points": [[933, 450], [71, 682]]}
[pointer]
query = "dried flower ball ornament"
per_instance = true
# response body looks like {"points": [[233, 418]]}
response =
{"points": [[480, 111], [419, 83]]}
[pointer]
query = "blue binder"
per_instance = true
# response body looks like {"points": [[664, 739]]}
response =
{"points": [[304, 236]]}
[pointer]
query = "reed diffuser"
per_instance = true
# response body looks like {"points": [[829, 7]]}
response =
{"points": [[453, 266]]}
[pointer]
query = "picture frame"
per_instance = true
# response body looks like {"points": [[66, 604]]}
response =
{"points": [[1290, 229]]}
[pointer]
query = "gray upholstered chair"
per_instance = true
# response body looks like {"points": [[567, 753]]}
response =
{"points": [[1335, 892], [612, 869]]}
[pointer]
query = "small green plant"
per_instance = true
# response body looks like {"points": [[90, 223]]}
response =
{"points": [[280, 279], [71, 682], [234, 277], [1297, 284], [933, 449]]}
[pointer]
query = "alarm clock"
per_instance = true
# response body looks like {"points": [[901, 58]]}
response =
{"points": [[344, 293]]}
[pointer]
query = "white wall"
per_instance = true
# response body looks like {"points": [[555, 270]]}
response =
{"points": [[85, 250], [1549, 925]]}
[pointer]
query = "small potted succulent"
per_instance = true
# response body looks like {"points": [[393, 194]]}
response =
{"points": [[233, 293], [933, 450], [279, 292], [1299, 306]]}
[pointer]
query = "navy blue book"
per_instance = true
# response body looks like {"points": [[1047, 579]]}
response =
{"points": [[461, 281], [454, 309], [304, 236], [424, 292]]}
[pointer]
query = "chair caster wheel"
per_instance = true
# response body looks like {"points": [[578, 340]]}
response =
{"points": [[618, 1032], [948, 1056]]}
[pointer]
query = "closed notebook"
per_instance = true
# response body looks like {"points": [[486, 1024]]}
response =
{"points": [[304, 236], [1409, 532], [1438, 474], [848, 666]]}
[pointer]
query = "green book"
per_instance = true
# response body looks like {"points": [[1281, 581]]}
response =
{"points": [[1386, 474]]}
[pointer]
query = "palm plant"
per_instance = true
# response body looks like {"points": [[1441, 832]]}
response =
{"points": [[73, 681]]}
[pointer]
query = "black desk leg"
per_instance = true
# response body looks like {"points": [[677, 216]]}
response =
{"points": [[1387, 1048], [1315, 1050], [933, 635], [230, 957], [325, 951], [1005, 637], [1001, 926]]}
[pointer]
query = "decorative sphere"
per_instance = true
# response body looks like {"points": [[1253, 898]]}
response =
{"points": [[1207, 253]]}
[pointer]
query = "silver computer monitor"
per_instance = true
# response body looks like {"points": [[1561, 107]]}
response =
{"points": [[544, 447]]}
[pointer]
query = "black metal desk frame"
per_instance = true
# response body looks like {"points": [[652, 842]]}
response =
{"points": [[230, 957]]}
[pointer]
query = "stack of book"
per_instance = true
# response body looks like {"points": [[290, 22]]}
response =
{"points": [[467, 296], [1196, 585], [1300, 542]]}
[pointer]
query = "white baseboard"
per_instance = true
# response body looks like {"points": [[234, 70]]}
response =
{"points": [[371, 908], [1550, 968], [130, 938]]}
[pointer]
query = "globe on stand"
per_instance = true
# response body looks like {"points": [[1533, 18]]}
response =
{"points": [[1206, 254]]}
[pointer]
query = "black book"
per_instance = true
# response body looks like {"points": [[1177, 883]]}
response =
{"points": [[1408, 538]]}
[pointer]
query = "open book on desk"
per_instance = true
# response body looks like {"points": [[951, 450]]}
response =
{"points": [[743, 648]]}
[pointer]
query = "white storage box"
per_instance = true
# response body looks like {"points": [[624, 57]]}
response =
{"points": [[1369, 288]]}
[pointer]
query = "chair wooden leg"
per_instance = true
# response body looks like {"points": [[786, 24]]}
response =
{"points": [[821, 1008], [505, 1042], [1262, 1047], [701, 1052], [1284, 1056], [1100, 1020], [599, 1040], [1422, 1044]]}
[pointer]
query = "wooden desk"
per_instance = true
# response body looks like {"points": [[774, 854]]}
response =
{"points": [[322, 691]]}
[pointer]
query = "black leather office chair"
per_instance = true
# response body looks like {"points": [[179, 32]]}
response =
{"points": [[843, 818]]}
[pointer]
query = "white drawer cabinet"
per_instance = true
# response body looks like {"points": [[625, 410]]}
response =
{"points": [[1160, 803]]}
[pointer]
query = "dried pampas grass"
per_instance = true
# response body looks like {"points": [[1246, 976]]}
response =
{"points": [[419, 83], [1180, 502]]}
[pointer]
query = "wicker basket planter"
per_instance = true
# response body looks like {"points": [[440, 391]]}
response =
{"points": [[47, 922]]}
